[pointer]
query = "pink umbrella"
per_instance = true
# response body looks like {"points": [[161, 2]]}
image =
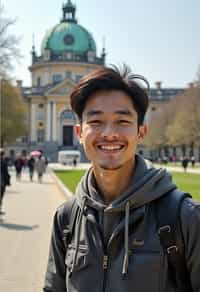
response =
{"points": [[35, 153]]}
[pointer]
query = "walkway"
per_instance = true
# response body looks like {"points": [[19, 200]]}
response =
{"points": [[25, 233]]}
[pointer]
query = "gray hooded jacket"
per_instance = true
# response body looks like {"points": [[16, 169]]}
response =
{"points": [[116, 247]]}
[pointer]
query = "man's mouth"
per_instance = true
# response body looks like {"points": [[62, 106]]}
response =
{"points": [[110, 148]]}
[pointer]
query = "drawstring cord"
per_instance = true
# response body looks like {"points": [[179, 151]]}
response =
{"points": [[126, 239], [78, 235]]}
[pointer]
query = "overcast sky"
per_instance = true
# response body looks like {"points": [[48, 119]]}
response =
{"points": [[158, 39]]}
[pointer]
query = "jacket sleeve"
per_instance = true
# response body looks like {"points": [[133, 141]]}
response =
{"points": [[56, 270], [190, 218]]}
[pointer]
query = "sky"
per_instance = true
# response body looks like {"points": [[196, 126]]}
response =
{"points": [[158, 39]]}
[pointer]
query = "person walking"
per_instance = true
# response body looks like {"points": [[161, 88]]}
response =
{"points": [[31, 167], [113, 235], [5, 178], [40, 166], [19, 163], [185, 162], [192, 159]]}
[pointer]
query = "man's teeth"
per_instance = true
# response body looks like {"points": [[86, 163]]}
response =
{"points": [[111, 147]]}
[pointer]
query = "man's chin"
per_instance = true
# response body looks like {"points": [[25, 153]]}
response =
{"points": [[110, 166]]}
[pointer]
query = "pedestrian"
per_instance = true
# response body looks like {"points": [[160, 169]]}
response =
{"points": [[19, 163], [5, 178], [74, 162], [31, 167], [40, 166], [111, 236], [192, 159], [185, 162]]}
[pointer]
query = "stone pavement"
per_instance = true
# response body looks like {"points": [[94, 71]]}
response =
{"points": [[25, 232]]}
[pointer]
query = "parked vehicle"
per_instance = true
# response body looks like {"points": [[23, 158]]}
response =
{"points": [[69, 156]]}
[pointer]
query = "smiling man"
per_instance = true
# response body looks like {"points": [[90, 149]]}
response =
{"points": [[118, 234]]}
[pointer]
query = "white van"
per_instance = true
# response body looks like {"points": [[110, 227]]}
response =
{"points": [[69, 156]]}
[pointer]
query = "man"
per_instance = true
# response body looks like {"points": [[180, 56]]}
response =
{"points": [[114, 244]]}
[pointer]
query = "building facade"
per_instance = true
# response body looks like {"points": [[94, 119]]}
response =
{"points": [[68, 52]]}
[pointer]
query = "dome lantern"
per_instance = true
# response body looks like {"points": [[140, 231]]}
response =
{"points": [[69, 11]]}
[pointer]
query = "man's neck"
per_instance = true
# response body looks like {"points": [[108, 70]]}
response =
{"points": [[112, 183]]}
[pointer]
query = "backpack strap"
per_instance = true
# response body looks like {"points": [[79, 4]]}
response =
{"points": [[70, 213], [171, 238]]}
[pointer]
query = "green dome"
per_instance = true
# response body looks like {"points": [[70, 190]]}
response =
{"points": [[68, 36]]}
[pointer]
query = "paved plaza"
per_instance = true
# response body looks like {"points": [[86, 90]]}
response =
{"points": [[25, 232]]}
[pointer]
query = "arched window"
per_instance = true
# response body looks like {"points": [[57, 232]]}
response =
{"points": [[68, 116]]}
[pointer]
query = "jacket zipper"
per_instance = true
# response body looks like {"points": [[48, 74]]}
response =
{"points": [[105, 255], [105, 268]]}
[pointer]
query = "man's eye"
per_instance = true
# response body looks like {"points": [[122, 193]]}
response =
{"points": [[94, 122], [124, 122]]}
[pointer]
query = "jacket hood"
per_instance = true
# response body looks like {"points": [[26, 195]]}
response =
{"points": [[148, 184]]}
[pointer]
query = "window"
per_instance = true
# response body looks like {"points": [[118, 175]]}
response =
{"points": [[38, 82], [78, 77], [40, 112], [40, 135], [24, 139], [57, 78], [68, 75], [91, 56], [68, 39], [68, 115], [46, 55], [69, 56]]}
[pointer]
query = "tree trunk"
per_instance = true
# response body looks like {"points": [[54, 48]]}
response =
{"points": [[183, 147], [174, 150], [192, 149], [166, 150], [2, 142], [199, 153], [159, 152]]}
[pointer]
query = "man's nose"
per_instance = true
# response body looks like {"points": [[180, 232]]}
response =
{"points": [[110, 131]]}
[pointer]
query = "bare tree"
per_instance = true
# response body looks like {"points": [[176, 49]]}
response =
{"points": [[184, 128], [156, 138], [9, 44], [12, 113]]}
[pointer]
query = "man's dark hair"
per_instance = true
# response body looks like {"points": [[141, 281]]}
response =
{"points": [[111, 78]]}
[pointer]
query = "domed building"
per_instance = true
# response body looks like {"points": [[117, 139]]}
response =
{"points": [[68, 52]]}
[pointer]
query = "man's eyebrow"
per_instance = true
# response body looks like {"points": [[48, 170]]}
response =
{"points": [[124, 112], [119, 112], [94, 112]]}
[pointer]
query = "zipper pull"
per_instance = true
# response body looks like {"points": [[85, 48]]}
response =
{"points": [[105, 262]]}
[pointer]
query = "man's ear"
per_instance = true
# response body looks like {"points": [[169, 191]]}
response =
{"points": [[142, 132], [78, 130]]}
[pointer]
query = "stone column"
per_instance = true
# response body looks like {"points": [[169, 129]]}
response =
{"points": [[33, 128], [48, 121], [54, 123]]}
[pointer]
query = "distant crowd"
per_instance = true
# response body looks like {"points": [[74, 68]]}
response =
{"points": [[35, 162], [185, 161]]}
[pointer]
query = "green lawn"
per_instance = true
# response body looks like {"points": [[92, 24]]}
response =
{"points": [[70, 177], [186, 181]]}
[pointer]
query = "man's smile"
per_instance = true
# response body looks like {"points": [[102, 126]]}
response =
{"points": [[110, 148]]}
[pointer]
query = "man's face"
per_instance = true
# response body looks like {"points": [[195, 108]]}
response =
{"points": [[109, 130]]}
